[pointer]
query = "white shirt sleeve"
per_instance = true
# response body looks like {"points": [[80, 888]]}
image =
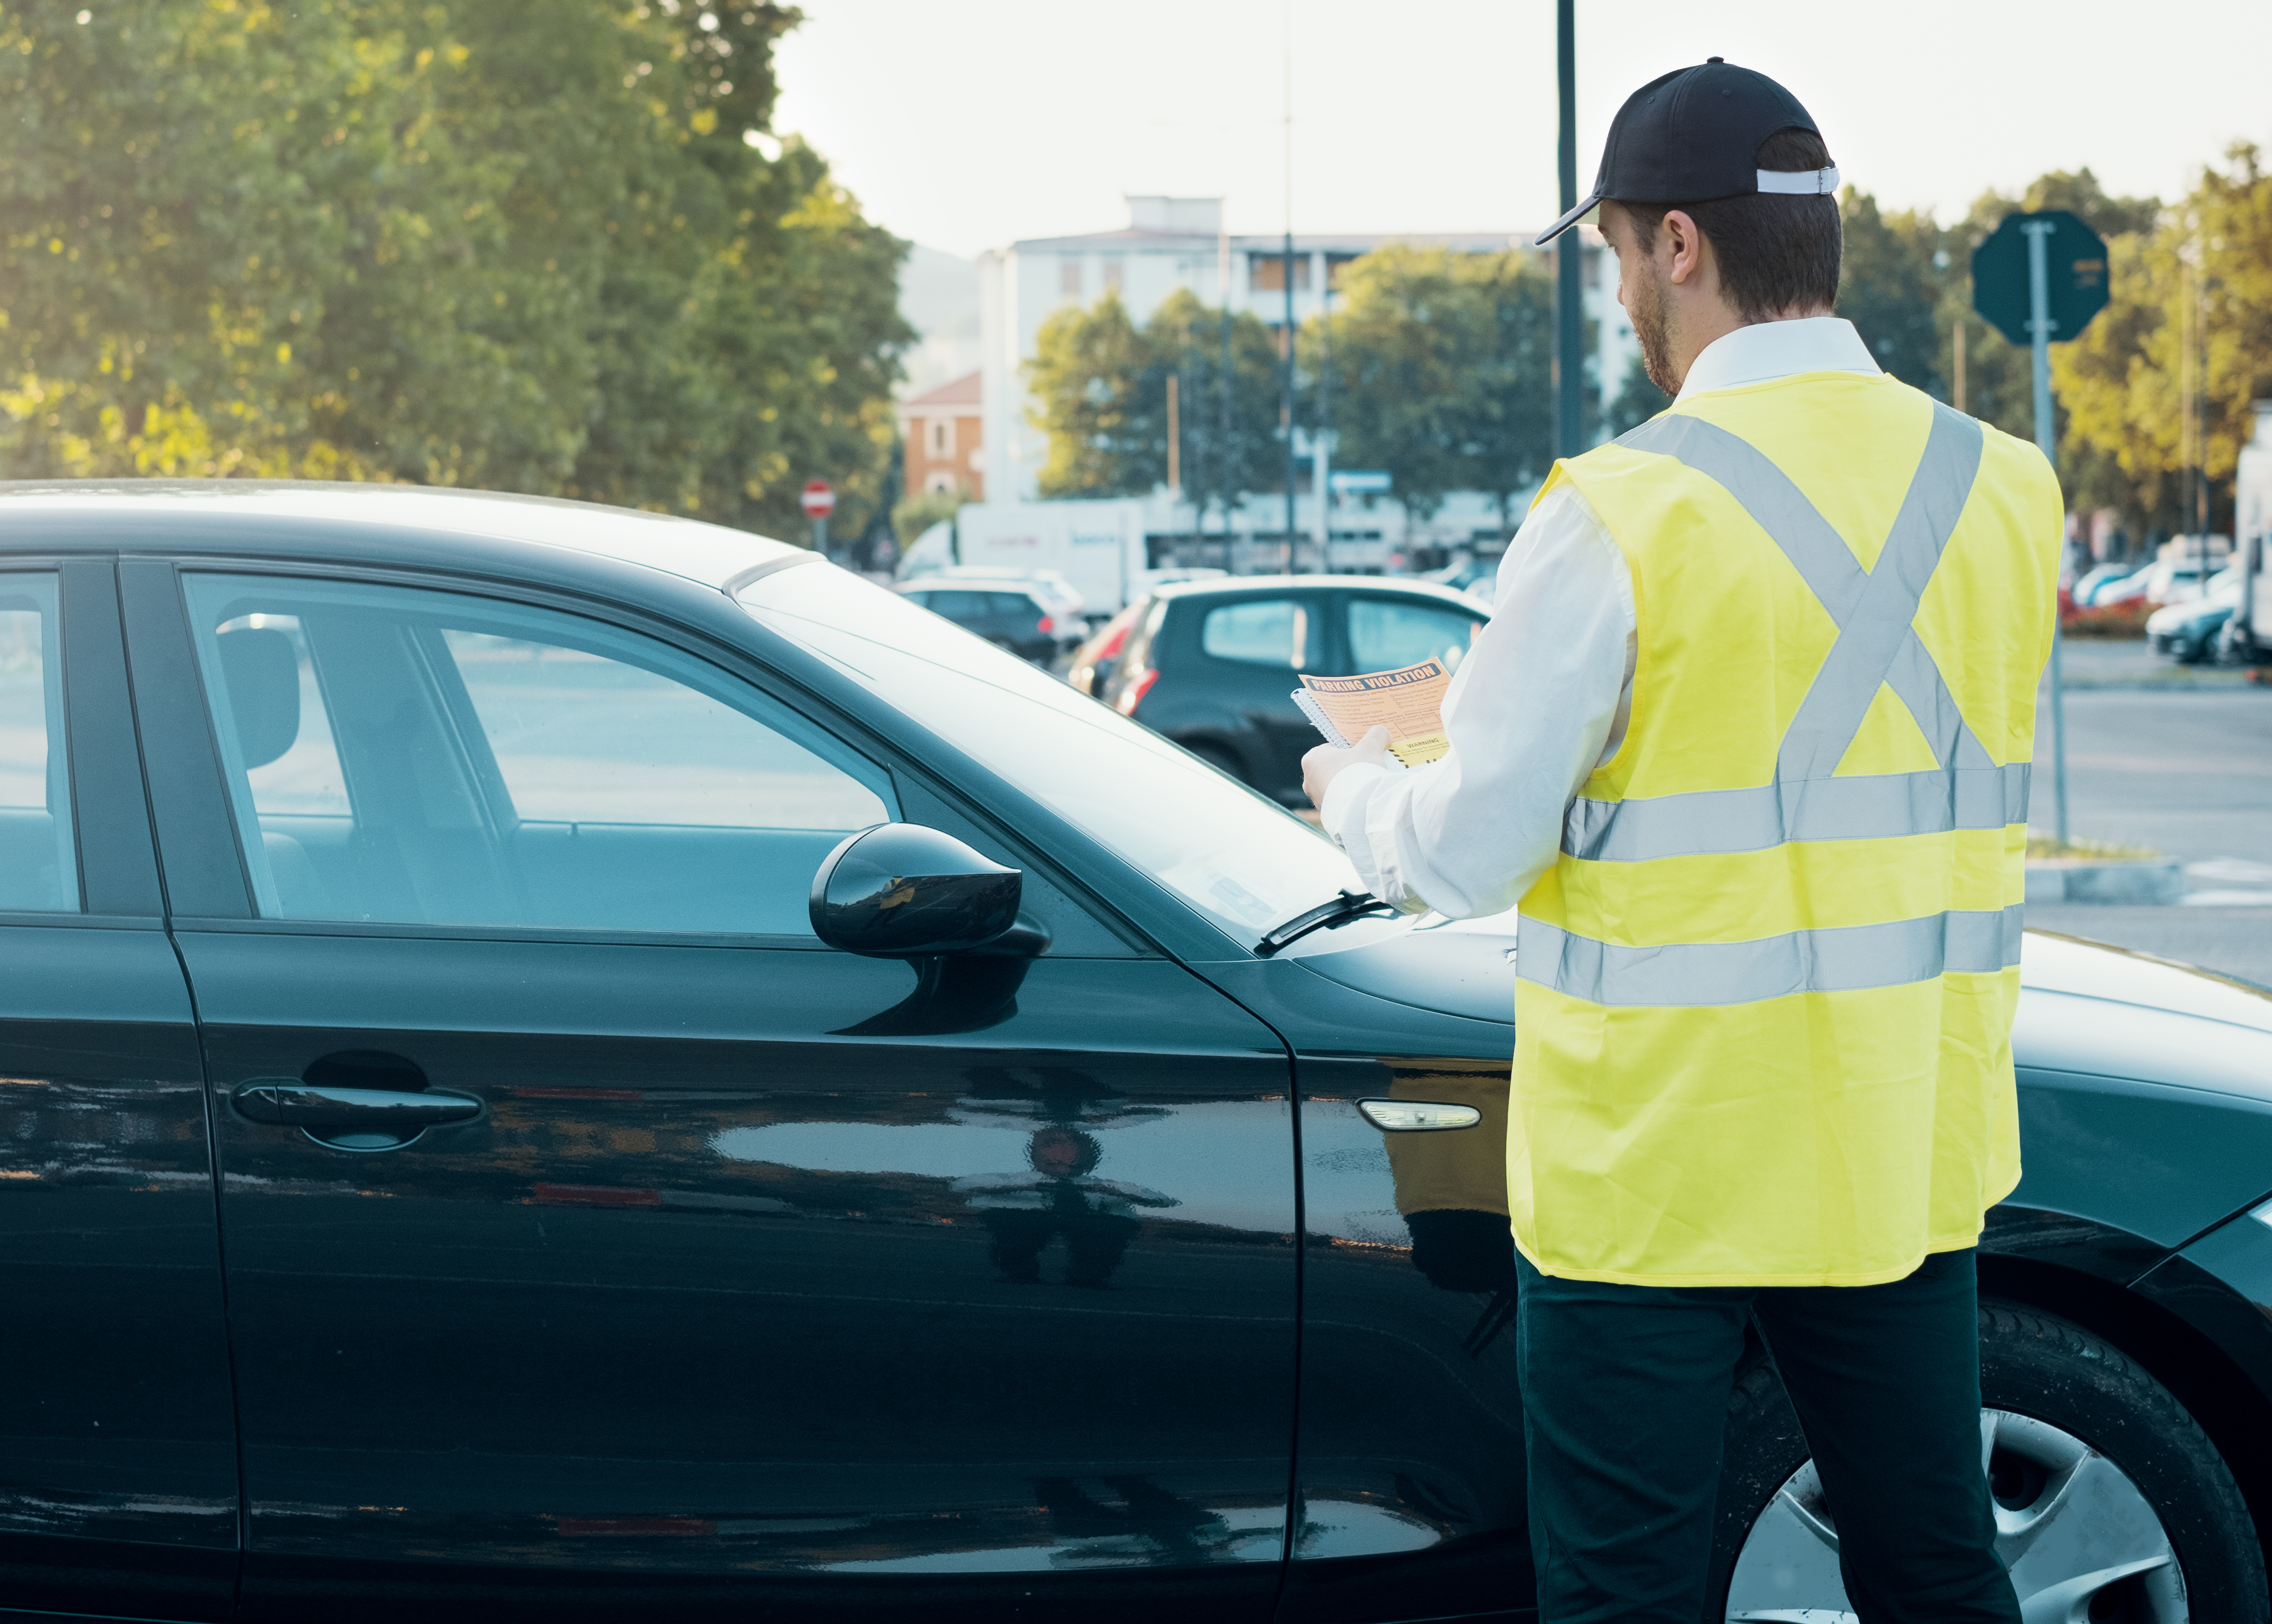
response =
{"points": [[1541, 697]]}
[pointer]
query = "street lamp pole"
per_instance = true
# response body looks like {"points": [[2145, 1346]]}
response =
{"points": [[2039, 331], [1285, 275], [1569, 312]]}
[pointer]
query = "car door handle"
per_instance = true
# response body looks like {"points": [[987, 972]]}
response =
{"points": [[289, 1102]]}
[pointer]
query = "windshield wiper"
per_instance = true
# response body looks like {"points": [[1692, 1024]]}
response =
{"points": [[1348, 905]]}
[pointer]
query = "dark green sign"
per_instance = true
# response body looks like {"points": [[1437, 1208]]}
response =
{"points": [[2075, 263]]}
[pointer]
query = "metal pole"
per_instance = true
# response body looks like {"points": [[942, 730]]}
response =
{"points": [[2039, 331], [820, 536], [1321, 452], [1569, 310], [1286, 369]]}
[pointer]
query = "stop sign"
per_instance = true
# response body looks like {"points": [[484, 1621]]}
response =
{"points": [[2075, 286], [819, 500]]}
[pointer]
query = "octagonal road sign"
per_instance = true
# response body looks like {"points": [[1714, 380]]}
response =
{"points": [[819, 499], [2075, 259]]}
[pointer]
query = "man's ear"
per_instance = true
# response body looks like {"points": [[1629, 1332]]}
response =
{"points": [[1685, 245]]}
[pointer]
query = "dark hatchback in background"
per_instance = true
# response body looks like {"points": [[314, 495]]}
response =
{"points": [[1211, 663], [1007, 616], [451, 1167]]}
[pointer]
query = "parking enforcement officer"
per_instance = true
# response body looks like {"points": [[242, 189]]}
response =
{"points": [[1747, 739]]}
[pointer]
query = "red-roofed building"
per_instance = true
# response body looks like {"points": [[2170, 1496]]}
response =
{"points": [[944, 432]]}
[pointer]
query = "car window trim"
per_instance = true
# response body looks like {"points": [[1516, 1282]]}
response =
{"points": [[559, 934], [895, 759]]}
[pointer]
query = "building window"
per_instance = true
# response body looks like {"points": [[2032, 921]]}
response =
{"points": [[1114, 266], [939, 433], [1266, 273], [1069, 276]]}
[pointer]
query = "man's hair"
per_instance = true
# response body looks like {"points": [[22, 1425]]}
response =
{"points": [[1776, 251]]}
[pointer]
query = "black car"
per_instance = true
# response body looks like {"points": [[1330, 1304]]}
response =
{"points": [[563, 1064], [1007, 616], [1213, 664]]}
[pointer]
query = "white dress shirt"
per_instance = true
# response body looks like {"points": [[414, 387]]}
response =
{"points": [[1543, 695]]}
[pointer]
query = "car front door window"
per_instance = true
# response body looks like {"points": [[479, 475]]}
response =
{"points": [[39, 872], [414, 757]]}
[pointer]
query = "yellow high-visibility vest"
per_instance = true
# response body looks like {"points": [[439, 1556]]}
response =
{"points": [[1764, 997]]}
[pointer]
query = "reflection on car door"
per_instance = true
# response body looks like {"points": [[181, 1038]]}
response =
{"points": [[118, 1487], [757, 1276]]}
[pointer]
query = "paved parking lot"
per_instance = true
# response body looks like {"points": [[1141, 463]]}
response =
{"points": [[2180, 760]]}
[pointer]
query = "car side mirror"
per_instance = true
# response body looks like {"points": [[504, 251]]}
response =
{"points": [[901, 890]]}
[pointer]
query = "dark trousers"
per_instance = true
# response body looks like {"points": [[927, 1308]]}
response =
{"points": [[1625, 1392]]}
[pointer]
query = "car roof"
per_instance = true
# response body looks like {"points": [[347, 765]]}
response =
{"points": [[1247, 586], [711, 554]]}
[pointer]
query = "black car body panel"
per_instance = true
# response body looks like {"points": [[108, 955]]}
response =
{"points": [[763, 1277]]}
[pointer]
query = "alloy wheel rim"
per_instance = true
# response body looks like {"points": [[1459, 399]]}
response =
{"points": [[2082, 1543]]}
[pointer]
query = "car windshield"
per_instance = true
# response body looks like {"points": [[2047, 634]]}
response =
{"points": [[1244, 861]]}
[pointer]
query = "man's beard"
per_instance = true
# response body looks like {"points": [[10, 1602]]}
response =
{"points": [[1645, 308]]}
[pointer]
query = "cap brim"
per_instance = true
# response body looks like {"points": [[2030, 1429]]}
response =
{"points": [[1566, 221]]}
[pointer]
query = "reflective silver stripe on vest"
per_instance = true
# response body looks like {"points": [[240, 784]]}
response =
{"points": [[1714, 822], [1877, 644], [1843, 959]]}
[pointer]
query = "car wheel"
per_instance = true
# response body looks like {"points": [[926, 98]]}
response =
{"points": [[2111, 1501]]}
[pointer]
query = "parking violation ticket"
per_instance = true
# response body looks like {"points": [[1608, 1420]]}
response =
{"points": [[1408, 702]]}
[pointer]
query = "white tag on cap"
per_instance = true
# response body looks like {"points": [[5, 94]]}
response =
{"points": [[1800, 182]]}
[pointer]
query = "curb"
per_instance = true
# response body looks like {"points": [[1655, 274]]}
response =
{"points": [[2157, 883]]}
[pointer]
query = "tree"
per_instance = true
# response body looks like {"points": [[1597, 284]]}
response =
{"points": [[2122, 381], [1889, 286], [1100, 388], [1442, 366], [520, 243]]}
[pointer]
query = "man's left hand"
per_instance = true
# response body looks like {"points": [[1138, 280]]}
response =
{"points": [[1322, 765]]}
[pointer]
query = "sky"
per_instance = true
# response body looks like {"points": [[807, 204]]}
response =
{"points": [[969, 124]]}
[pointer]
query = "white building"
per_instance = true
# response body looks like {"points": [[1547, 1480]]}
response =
{"points": [[1178, 243]]}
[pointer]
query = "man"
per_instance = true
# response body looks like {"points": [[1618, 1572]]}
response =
{"points": [[1747, 739]]}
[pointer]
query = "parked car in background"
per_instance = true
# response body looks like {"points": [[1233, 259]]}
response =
{"points": [[1010, 615], [2101, 575], [1469, 573], [1212, 665], [2174, 581], [1050, 585], [2187, 632], [1094, 660], [2121, 588]]}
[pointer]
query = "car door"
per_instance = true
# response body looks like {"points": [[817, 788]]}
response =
{"points": [[118, 1490], [746, 1271]]}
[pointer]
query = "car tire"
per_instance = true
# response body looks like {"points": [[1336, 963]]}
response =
{"points": [[2065, 1403]]}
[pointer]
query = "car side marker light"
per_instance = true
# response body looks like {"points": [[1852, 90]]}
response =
{"points": [[1413, 1116]]}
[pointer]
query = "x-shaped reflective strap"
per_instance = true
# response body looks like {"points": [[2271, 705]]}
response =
{"points": [[1874, 609]]}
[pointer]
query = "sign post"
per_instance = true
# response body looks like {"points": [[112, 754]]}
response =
{"points": [[2036, 275], [819, 501]]}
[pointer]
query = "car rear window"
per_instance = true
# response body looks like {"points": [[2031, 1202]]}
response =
{"points": [[1262, 631], [1386, 633]]}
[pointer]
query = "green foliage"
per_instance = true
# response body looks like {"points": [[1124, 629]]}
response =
{"points": [[1889, 287], [1443, 366], [2122, 384], [516, 243], [1100, 388], [919, 512], [1637, 401]]}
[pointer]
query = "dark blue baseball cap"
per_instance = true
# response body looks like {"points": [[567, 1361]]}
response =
{"points": [[1693, 136]]}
